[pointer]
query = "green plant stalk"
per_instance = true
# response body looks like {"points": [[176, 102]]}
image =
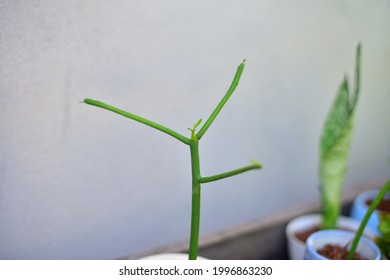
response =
{"points": [[229, 173], [219, 107], [365, 219], [195, 208], [137, 118], [193, 143]]}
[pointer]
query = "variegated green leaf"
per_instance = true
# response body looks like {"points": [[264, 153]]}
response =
{"points": [[333, 166], [334, 147], [337, 119]]}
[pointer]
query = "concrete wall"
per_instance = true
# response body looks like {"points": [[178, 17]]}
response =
{"points": [[77, 182]]}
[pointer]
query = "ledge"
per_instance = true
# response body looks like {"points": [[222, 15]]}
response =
{"points": [[262, 239]]}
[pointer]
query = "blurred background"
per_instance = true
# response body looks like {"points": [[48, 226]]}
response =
{"points": [[78, 182]]}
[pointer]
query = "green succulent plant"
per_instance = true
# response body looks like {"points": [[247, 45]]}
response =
{"points": [[193, 143]]}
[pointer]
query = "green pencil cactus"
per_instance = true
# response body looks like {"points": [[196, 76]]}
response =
{"points": [[193, 143], [334, 146]]}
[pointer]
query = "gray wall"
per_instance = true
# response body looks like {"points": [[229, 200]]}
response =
{"points": [[77, 182]]}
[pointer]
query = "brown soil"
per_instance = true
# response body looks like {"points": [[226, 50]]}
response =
{"points": [[303, 235], [383, 206], [336, 252]]}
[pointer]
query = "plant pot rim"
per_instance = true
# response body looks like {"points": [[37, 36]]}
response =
{"points": [[368, 195]]}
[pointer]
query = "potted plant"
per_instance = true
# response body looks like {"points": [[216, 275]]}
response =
{"points": [[339, 244], [334, 147], [193, 143]]}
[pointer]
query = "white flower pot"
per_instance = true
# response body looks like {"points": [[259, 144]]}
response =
{"points": [[296, 247], [367, 249], [170, 256]]}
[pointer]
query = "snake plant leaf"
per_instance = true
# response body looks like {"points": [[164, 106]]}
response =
{"points": [[342, 110], [334, 147], [337, 119]]}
